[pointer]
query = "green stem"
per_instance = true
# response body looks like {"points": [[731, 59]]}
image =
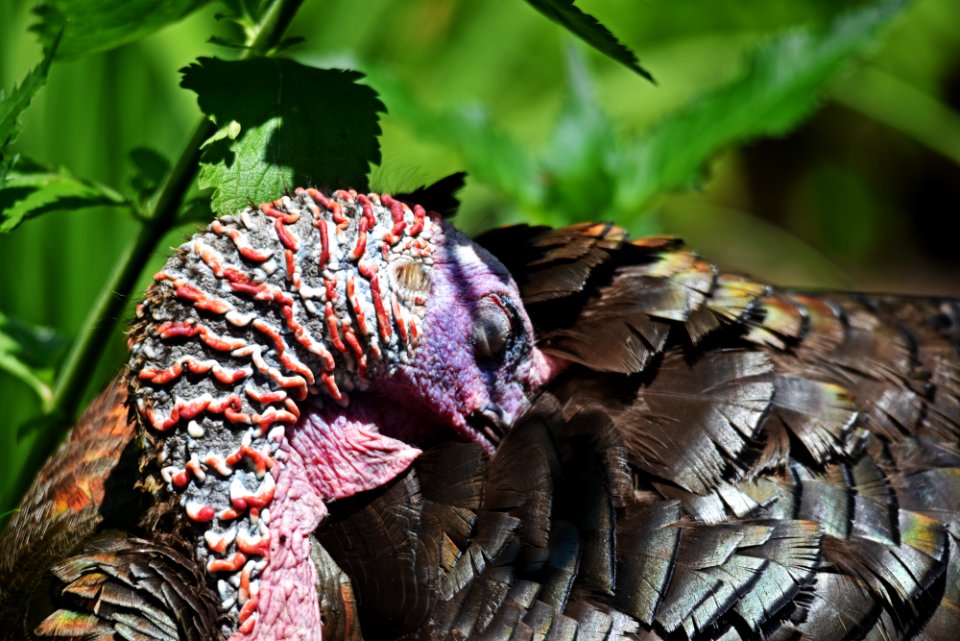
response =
{"points": [[87, 349], [88, 346], [273, 24]]}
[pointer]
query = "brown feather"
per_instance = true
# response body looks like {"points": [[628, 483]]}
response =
{"points": [[721, 460]]}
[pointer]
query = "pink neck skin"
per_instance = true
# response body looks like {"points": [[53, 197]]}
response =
{"points": [[325, 460], [332, 454]]}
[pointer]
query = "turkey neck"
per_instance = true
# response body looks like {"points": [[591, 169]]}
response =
{"points": [[330, 454], [267, 323]]}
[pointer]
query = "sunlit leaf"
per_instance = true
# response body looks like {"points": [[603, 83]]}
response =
{"points": [[779, 88], [282, 125], [29, 353], [588, 29], [97, 25], [13, 105], [32, 190]]}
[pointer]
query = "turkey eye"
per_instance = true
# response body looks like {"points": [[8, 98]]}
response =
{"points": [[492, 327]]}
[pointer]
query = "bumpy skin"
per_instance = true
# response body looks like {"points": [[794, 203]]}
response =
{"points": [[277, 356], [706, 457], [299, 298]]}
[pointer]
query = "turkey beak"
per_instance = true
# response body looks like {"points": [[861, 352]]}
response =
{"points": [[490, 421]]}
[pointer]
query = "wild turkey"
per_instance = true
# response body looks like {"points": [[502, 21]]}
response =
{"points": [[344, 414]]}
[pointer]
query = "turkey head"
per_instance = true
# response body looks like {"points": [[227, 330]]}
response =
{"points": [[293, 355]]}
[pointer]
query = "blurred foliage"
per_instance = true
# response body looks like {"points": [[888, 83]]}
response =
{"points": [[30, 354], [588, 165], [94, 25], [856, 190], [31, 189], [12, 105]]}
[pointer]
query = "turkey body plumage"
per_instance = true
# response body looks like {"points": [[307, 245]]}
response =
{"points": [[717, 459]]}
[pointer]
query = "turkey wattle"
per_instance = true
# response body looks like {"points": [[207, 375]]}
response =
{"points": [[344, 415]]}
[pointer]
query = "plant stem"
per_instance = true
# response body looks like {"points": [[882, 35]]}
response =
{"points": [[88, 347], [273, 24]]}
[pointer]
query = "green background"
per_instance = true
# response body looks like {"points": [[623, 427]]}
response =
{"points": [[862, 195]]}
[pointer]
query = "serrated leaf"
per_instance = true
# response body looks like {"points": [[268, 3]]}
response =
{"points": [[13, 105], [151, 167], [97, 25], [283, 125], [32, 190], [780, 87], [29, 353], [589, 29]]}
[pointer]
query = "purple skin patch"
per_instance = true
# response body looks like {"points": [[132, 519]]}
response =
{"points": [[333, 455], [298, 353], [452, 377]]}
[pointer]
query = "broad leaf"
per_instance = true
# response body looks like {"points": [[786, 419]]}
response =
{"points": [[588, 29], [13, 105], [31, 190], [29, 353], [282, 125], [97, 25], [780, 87]]}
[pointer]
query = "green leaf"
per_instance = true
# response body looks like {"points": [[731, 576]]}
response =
{"points": [[588, 29], [289, 43], [19, 99], [235, 30], [779, 88], [243, 20], [491, 155], [282, 125], [30, 353], [32, 190], [150, 169], [580, 161], [252, 9], [97, 25]]}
